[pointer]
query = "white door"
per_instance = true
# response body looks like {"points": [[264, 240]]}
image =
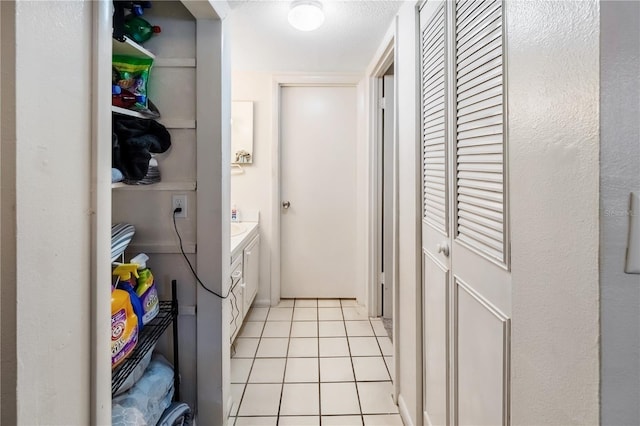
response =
{"points": [[318, 189], [435, 217], [466, 279]]}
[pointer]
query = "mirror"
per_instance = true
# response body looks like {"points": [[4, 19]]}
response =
{"points": [[242, 132]]}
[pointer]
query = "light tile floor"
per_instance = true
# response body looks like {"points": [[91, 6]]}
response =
{"points": [[310, 362]]}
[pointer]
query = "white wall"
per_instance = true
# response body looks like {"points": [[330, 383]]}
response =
{"points": [[362, 194], [46, 211], [52, 242], [251, 190], [619, 175], [214, 142], [553, 142]]}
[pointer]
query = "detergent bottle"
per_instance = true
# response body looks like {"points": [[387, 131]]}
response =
{"points": [[146, 289], [127, 280], [124, 327], [139, 29]]}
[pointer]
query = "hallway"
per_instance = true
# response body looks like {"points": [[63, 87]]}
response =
{"points": [[312, 362]]}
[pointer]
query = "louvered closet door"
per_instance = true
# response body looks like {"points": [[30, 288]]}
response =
{"points": [[480, 131], [433, 121], [466, 279], [481, 302], [436, 212]]}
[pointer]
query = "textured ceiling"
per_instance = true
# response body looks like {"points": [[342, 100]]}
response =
{"points": [[263, 40]]}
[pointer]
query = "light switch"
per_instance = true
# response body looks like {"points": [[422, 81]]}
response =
{"points": [[633, 246]]}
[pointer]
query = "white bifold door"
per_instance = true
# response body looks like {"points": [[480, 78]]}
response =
{"points": [[465, 250]]}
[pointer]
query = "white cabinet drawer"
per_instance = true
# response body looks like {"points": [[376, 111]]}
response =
{"points": [[251, 272]]}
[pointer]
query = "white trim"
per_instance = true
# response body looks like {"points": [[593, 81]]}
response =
{"points": [[279, 81], [385, 56], [261, 303], [275, 196], [213, 106], [100, 387], [404, 411], [419, 272], [396, 224], [373, 258], [328, 79]]}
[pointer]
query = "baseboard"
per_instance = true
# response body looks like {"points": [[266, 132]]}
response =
{"points": [[261, 303], [404, 411], [427, 420], [230, 406]]}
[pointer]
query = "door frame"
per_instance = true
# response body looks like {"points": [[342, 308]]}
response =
{"points": [[278, 82], [384, 58], [382, 62], [387, 180]]}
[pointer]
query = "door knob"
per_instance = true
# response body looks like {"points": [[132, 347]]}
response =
{"points": [[443, 248], [286, 204]]}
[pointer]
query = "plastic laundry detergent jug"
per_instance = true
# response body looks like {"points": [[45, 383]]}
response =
{"points": [[124, 327], [127, 280]]}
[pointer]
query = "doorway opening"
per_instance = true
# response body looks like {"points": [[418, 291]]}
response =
{"points": [[383, 291], [386, 194], [314, 185], [318, 187]]}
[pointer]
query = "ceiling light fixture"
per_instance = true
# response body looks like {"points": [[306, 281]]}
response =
{"points": [[306, 15]]}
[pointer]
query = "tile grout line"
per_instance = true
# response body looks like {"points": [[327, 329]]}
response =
{"points": [[279, 415], [353, 370], [319, 377], [284, 373], [244, 389], [381, 353]]}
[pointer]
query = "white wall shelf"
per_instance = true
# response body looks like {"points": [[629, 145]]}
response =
{"points": [[161, 186], [169, 123], [162, 248], [129, 112], [131, 48]]}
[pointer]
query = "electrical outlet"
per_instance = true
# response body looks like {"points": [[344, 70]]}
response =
{"points": [[179, 201]]}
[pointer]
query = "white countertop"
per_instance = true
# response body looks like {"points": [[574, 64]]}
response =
{"points": [[240, 240]]}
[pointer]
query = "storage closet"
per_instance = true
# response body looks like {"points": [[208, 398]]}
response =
{"points": [[171, 87], [465, 239], [175, 75]]}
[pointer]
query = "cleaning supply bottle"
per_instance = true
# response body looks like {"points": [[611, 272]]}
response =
{"points": [[127, 280], [235, 215], [146, 289], [124, 327], [138, 29]]}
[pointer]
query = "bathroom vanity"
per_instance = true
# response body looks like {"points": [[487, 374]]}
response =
{"points": [[245, 269]]}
